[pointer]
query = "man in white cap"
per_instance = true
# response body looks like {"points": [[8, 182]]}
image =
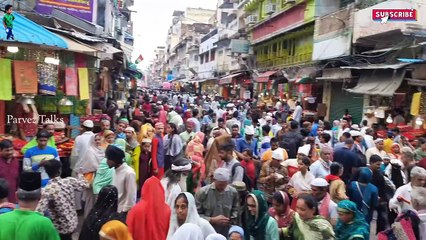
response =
{"points": [[81, 143], [327, 208], [248, 142], [273, 176], [218, 202], [377, 150], [233, 120]]}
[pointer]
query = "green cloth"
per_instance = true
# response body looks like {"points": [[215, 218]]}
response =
{"points": [[103, 176], [26, 225], [261, 227], [419, 154], [357, 228], [5, 79], [8, 20], [51, 143], [317, 228]]}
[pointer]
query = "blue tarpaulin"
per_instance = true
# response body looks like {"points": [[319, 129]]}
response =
{"points": [[27, 31]]}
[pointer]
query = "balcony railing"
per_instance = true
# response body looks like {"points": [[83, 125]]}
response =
{"points": [[285, 61]]}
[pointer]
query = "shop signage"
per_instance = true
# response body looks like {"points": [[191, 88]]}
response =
{"points": [[239, 46], [25, 76], [79, 8]]}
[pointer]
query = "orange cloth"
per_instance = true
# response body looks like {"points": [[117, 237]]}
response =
{"points": [[115, 230], [89, 176], [268, 155], [150, 218]]}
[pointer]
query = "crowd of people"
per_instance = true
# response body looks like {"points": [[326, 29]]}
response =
{"points": [[175, 167]]}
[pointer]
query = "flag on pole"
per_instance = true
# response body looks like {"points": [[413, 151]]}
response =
{"points": [[139, 59]]}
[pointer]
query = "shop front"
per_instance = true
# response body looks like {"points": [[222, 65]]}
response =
{"points": [[236, 86]]}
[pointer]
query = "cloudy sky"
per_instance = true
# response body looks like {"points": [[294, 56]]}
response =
{"points": [[152, 20]]}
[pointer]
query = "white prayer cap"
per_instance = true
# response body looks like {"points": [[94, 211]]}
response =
{"points": [[222, 175], [88, 123], [355, 127], [230, 105], [269, 114], [278, 154], [305, 149], [355, 133], [319, 182], [268, 118], [146, 140], [378, 140], [129, 129], [249, 130]]}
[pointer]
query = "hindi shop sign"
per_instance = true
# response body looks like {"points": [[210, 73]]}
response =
{"points": [[79, 8]]}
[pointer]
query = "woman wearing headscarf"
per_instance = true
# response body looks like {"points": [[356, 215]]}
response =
{"points": [[93, 157], [261, 226], [150, 218], [307, 223], [103, 176], [146, 134], [364, 194], [194, 151], [281, 210], [104, 210], [188, 231], [108, 138], [115, 230], [300, 182], [351, 224], [185, 211]]}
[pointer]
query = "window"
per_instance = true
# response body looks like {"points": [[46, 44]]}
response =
{"points": [[201, 58], [207, 57], [196, 58], [213, 55], [274, 49]]}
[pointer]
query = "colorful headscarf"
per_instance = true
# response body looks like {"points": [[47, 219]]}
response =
{"points": [[357, 228], [115, 230], [257, 224]]}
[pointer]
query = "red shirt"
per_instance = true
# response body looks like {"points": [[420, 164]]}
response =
{"points": [[250, 169], [10, 172]]}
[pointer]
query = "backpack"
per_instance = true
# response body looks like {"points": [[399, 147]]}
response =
{"points": [[246, 179]]}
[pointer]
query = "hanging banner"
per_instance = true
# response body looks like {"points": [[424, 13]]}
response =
{"points": [[83, 83], [5, 79], [82, 8], [25, 76], [71, 82]]}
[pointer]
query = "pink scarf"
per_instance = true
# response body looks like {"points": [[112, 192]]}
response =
{"points": [[323, 211]]}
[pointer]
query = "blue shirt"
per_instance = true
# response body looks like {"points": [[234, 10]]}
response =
{"points": [[35, 155], [242, 145]]}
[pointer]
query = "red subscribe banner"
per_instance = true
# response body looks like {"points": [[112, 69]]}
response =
{"points": [[395, 14]]}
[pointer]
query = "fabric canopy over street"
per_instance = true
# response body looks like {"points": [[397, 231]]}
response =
{"points": [[75, 46], [264, 77], [379, 82], [228, 79], [27, 31]]}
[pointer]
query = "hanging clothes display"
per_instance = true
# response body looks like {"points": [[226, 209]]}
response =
{"points": [[25, 76], [415, 104], [48, 78], [105, 78], [83, 83], [422, 109], [71, 82], [5, 79]]}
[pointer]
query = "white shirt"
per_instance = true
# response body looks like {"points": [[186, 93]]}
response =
{"points": [[318, 170], [301, 183], [239, 171], [297, 114], [374, 151], [332, 210], [171, 192], [82, 142], [405, 192], [369, 141], [124, 180]]}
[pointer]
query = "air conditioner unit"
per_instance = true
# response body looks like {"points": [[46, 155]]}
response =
{"points": [[252, 19], [271, 8]]}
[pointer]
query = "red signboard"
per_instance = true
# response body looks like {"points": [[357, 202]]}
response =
{"points": [[394, 14]]}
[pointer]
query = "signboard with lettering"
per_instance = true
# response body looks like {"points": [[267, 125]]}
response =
{"points": [[239, 46], [79, 8]]}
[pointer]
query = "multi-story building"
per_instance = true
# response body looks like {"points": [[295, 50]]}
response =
{"points": [[182, 42]]}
